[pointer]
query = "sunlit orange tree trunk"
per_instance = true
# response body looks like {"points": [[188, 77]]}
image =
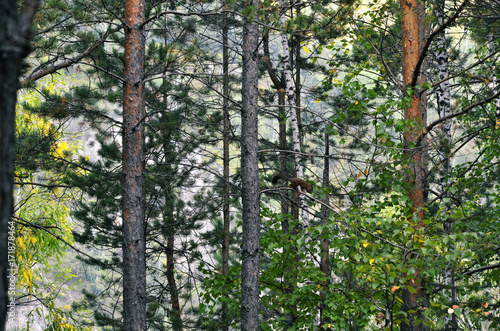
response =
{"points": [[134, 244], [414, 296]]}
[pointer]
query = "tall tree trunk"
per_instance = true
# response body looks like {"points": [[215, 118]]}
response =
{"points": [[175, 314], [494, 79], [250, 193], [412, 35], [280, 88], [227, 188], [298, 65], [300, 202], [293, 104], [290, 92], [443, 97], [134, 243], [14, 38], [325, 241], [170, 226], [285, 224]]}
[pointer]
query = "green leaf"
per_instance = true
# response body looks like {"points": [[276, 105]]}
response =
{"points": [[411, 289]]}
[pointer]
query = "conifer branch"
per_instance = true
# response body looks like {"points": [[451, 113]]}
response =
{"points": [[42, 73]]}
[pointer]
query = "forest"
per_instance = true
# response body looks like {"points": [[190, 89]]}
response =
{"points": [[249, 164]]}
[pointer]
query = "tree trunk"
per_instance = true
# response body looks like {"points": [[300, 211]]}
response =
{"points": [[227, 188], [14, 38], [170, 225], [175, 315], [412, 36], [280, 88], [134, 244], [443, 97], [293, 104], [290, 92], [325, 242], [494, 78], [250, 193]]}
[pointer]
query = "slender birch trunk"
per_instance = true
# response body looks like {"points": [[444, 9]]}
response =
{"points": [[290, 92], [280, 88], [294, 111], [443, 97], [291, 102]]}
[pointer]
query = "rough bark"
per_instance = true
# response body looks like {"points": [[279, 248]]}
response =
{"points": [[14, 38], [227, 187], [134, 243], [250, 193], [325, 242], [412, 37], [175, 313], [170, 224]]}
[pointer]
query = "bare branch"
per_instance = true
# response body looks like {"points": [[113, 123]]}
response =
{"points": [[43, 185], [488, 267], [423, 51], [37, 75], [465, 111]]}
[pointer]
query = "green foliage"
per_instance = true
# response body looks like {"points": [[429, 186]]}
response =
{"points": [[42, 214]]}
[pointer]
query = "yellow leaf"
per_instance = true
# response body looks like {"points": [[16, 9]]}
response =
{"points": [[372, 260], [365, 243], [394, 288], [366, 172], [317, 100]]}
